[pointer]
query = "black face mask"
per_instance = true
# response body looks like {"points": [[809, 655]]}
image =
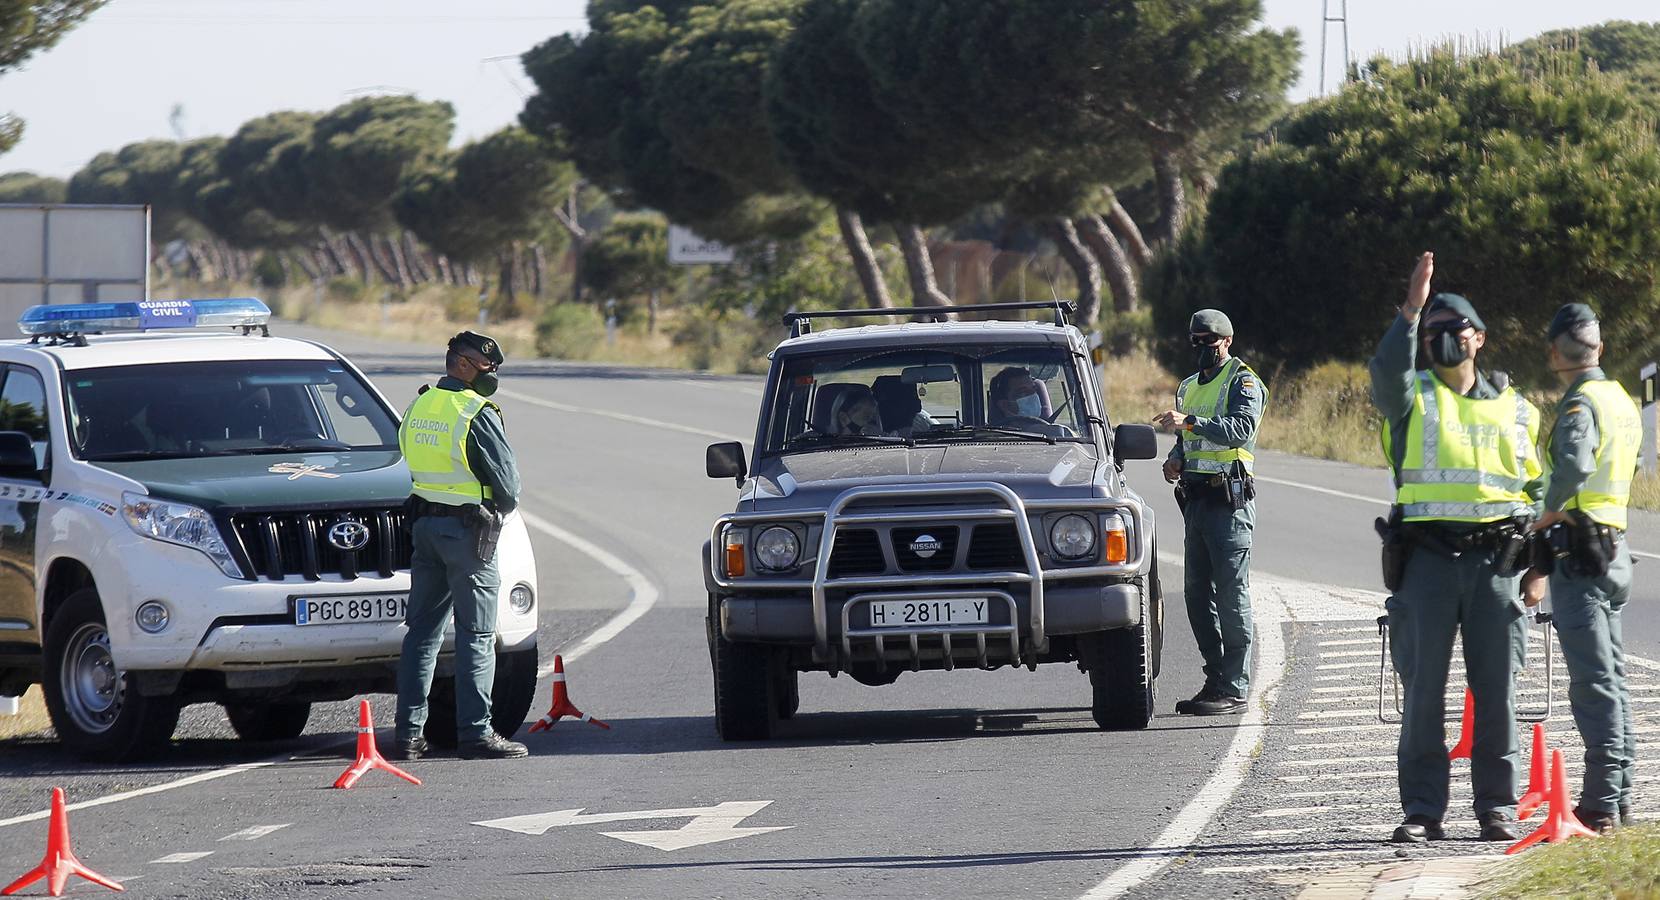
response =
{"points": [[484, 384], [1446, 351], [1208, 356]]}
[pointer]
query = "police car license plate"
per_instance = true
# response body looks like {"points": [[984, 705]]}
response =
{"points": [[350, 610], [913, 613]]}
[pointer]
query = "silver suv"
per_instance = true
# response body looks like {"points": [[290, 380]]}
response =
{"points": [[932, 495]]}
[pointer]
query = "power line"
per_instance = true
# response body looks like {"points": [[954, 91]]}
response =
{"points": [[1327, 20]]}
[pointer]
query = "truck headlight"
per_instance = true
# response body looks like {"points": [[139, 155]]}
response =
{"points": [[178, 523], [776, 548], [1072, 537]]}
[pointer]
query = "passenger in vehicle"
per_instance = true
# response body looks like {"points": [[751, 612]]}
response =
{"points": [[856, 413], [900, 406]]}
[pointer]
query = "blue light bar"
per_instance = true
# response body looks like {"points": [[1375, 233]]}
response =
{"points": [[142, 315]]}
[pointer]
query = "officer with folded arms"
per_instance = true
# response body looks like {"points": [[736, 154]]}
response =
{"points": [[1218, 412], [1461, 443], [1592, 456], [464, 479]]}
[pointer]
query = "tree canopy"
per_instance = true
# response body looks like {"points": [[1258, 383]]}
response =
{"points": [[1535, 183], [26, 28]]}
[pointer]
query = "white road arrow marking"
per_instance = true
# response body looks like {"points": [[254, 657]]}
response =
{"points": [[708, 825]]}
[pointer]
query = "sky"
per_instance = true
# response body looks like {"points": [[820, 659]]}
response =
{"points": [[118, 78]]}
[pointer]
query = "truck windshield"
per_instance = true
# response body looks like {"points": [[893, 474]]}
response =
{"points": [[971, 392], [192, 409]]}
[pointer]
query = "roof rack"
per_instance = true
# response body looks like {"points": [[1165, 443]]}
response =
{"points": [[800, 323]]}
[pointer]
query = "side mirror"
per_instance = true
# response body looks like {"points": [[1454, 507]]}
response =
{"points": [[17, 456], [1131, 441], [726, 460]]}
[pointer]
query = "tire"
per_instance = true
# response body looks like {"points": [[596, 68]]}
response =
{"points": [[268, 721], [786, 687], [747, 684], [1122, 678], [511, 695], [95, 710], [1155, 590]]}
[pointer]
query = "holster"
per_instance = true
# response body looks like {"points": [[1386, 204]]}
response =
{"points": [[1396, 549], [1181, 498], [486, 532], [1240, 486], [1591, 545]]}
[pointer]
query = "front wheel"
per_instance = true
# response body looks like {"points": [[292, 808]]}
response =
{"points": [[511, 695], [95, 707], [1121, 677], [268, 721]]}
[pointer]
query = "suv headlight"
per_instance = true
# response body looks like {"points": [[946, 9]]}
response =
{"points": [[777, 548], [1072, 536], [178, 523]]}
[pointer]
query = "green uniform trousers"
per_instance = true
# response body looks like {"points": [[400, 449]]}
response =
{"points": [[1217, 585], [447, 577], [1587, 616], [1440, 598]]}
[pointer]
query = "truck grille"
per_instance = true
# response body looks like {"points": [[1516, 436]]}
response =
{"points": [[857, 552], [941, 559], [996, 547], [279, 544]]}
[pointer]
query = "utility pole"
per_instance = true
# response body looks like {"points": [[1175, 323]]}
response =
{"points": [[1327, 20]]}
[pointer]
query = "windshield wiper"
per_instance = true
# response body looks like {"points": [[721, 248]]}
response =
{"points": [[129, 455], [969, 431], [820, 437], [297, 447]]}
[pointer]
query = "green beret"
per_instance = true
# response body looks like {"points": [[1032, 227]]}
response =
{"points": [[1210, 321], [482, 344], [1569, 317], [1455, 304]]}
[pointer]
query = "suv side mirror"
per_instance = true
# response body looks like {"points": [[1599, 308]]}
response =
{"points": [[726, 460], [1130, 441], [17, 456]]}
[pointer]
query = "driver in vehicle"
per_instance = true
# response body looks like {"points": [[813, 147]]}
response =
{"points": [[1015, 394]]}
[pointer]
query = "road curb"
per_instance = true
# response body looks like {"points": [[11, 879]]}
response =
{"points": [[1448, 878]]}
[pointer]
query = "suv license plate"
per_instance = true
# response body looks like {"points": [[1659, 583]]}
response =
{"points": [[911, 613], [350, 610]]}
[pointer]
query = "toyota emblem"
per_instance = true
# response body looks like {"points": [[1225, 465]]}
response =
{"points": [[348, 535], [925, 545]]}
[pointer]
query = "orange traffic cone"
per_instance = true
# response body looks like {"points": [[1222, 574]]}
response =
{"points": [[562, 705], [1538, 790], [60, 861], [1560, 823], [368, 756], [1466, 739]]}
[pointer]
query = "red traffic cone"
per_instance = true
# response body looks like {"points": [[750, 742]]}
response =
{"points": [[1538, 790], [1560, 823], [562, 705], [1466, 738], [368, 757], [60, 861]]}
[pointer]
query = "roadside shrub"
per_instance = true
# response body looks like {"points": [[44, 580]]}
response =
{"points": [[569, 331]]}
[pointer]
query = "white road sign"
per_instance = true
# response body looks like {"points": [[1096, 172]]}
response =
{"points": [[687, 249], [708, 825], [71, 253]]}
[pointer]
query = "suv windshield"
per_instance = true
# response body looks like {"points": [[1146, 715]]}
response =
{"points": [[941, 394], [192, 409]]}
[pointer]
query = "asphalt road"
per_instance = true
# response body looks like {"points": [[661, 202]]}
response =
{"points": [[966, 784]]}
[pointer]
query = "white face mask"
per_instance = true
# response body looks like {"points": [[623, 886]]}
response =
{"points": [[1030, 406]]}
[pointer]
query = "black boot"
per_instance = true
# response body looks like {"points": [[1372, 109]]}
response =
{"points": [[493, 746], [1497, 826], [1417, 829], [1600, 822], [410, 748], [1626, 818], [1218, 704], [1185, 707]]}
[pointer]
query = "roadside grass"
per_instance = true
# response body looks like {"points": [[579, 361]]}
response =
{"points": [[31, 717], [1624, 865]]}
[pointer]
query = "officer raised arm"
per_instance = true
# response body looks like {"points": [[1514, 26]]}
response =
{"points": [[464, 478], [1461, 445], [1593, 454], [1218, 411]]}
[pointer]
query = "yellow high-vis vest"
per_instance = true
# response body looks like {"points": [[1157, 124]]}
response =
{"points": [[1606, 493], [1209, 400], [433, 438], [1467, 460]]}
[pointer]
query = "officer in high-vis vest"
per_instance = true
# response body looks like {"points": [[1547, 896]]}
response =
{"points": [[464, 479], [1217, 415], [1591, 456], [1462, 446]]}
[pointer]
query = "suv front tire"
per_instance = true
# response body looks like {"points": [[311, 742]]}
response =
{"points": [[95, 708]]}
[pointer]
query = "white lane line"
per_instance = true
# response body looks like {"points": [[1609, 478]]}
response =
{"points": [[657, 424], [1337, 761], [1344, 729], [1303, 795], [141, 792], [644, 592], [1338, 714], [1191, 821], [1351, 654], [1339, 745], [254, 833], [176, 858], [1346, 643], [1289, 811], [1331, 667], [1337, 776]]}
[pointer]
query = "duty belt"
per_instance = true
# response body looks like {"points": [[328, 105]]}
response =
{"points": [[421, 507], [1452, 543]]}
